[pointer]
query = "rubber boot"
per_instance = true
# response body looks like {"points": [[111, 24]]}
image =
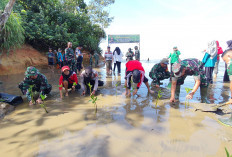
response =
{"points": [[177, 93], [203, 92]]}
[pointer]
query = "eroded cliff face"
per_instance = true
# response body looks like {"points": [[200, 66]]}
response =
{"points": [[17, 60]]}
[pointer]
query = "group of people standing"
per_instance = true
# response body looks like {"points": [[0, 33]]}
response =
{"points": [[71, 58], [116, 58]]}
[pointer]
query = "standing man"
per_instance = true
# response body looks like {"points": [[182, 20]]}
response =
{"points": [[189, 67], [227, 57], [174, 56], [79, 57], [70, 57], [129, 55], [159, 72], [108, 60], [137, 53]]}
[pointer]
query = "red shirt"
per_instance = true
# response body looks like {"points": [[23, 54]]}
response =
{"points": [[134, 64], [71, 80]]}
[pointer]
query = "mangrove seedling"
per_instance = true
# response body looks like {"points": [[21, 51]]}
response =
{"points": [[93, 97], [30, 90], [187, 91], [158, 97], [43, 97], [227, 153]]}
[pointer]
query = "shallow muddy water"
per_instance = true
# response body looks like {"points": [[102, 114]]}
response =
{"points": [[121, 127]]}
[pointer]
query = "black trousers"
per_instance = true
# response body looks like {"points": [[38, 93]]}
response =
{"points": [[226, 76], [118, 64], [209, 74]]}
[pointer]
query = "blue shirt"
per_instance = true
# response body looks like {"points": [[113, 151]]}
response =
{"points": [[50, 57], [60, 57]]}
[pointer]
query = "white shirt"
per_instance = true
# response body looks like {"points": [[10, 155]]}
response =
{"points": [[117, 57]]}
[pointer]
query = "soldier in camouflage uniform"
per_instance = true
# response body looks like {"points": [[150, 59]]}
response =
{"points": [[137, 54], [38, 81], [189, 67], [129, 55], [159, 72], [70, 57], [227, 57]]}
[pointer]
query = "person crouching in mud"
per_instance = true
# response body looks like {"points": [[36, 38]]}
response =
{"points": [[159, 72], [38, 82], [68, 80], [90, 76], [189, 67], [134, 69]]}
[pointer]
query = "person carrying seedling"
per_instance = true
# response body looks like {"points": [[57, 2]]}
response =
{"points": [[34, 81], [189, 67], [68, 80], [159, 72], [89, 76], [134, 69]]}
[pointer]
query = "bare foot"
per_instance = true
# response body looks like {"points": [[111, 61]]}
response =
{"points": [[66, 94]]}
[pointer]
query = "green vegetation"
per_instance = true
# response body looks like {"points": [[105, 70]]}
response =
{"points": [[158, 97], [93, 97], [43, 97], [12, 35], [52, 23], [227, 153], [187, 91]]}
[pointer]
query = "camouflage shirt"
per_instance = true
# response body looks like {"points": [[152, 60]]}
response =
{"points": [[158, 73], [40, 84], [137, 55], [129, 55], [69, 54], [193, 67]]}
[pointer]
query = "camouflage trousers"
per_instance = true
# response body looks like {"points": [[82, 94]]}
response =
{"points": [[72, 65]]}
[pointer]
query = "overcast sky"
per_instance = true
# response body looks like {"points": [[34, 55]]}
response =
{"points": [[162, 24]]}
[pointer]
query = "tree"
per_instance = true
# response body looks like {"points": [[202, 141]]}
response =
{"points": [[12, 32], [6, 14], [97, 13]]}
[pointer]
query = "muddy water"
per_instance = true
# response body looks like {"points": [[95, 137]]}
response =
{"points": [[121, 127]]}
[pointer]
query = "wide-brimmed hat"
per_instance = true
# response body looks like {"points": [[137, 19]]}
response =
{"points": [[31, 71], [176, 69], [65, 68], [164, 61]]}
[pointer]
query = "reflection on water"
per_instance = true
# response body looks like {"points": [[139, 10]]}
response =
{"points": [[121, 127]]}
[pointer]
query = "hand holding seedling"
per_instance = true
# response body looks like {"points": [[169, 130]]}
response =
{"points": [[135, 91], [39, 101], [188, 96]]}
